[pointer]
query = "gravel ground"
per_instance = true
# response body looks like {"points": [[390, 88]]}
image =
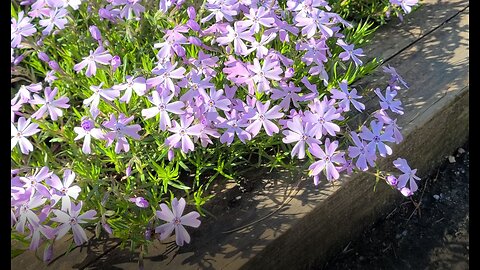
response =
{"points": [[433, 236]]}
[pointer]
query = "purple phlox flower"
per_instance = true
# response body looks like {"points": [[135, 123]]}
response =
{"points": [[350, 52], [115, 62], [382, 116], [205, 63], [270, 70], [109, 94], [287, 93], [87, 131], [50, 76], [392, 180], [377, 138], [39, 9], [49, 104], [259, 47], [20, 28], [192, 16], [25, 129], [221, 9], [237, 71], [407, 176], [317, 19], [172, 44], [165, 76], [347, 97], [35, 236], [205, 134], [405, 4], [194, 82], [321, 72], [139, 201], [216, 100], [119, 131], [262, 117], [165, 5], [234, 124], [283, 28], [25, 91], [95, 32], [327, 161], [110, 13], [311, 87], [131, 9], [237, 34], [183, 131], [348, 166], [307, 6], [301, 133], [387, 101], [63, 189], [317, 50], [257, 17], [395, 77], [136, 84], [162, 107], [100, 55], [274, 55], [56, 17], [33, 183], [365, 155], [322, 115], [25, 212], [176, 221], [72, 220], [72, 3]]}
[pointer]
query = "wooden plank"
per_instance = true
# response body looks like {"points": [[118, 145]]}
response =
{"points": [[212, 250]]}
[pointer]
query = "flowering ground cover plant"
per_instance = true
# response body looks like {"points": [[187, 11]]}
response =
{"points": [[125, 112]]}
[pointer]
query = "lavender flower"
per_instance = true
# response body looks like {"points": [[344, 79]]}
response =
{"points": [[347, 97], [234, 125], [301, 133], [119, 131], [269, 70], [350, 53], [64, 189], [407, 176], [25, 212], [327, 160], [387, 101], [257, 17], [365, 156], [100, 55], [262, 117], [183, 131], [25, 129], [136, 84], [322, 116], [87, 131], [56, 17], [139, 201], [377, 138], [163, 106], [176, 221], [237, 34], [395, 77], [405, 4], [49, 104], [72, 220], [93, 101], [20, 28]]}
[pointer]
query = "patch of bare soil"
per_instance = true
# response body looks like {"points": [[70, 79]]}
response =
{"points": [[434, 235]]}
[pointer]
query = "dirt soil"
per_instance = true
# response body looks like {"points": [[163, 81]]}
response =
{"points": [[433, 236]]}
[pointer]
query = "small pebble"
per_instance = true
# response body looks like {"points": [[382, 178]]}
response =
{"points": [[238, 198], [461, 150], [436, 197], [451, 159]]}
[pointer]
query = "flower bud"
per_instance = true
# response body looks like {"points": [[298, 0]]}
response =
{"points": [[54, 65], [192, 14], [392, 180], [43, 56], [95, 32], [116, 62]]}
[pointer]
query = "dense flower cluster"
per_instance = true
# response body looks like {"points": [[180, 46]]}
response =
{"points": [[250, 69]]}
